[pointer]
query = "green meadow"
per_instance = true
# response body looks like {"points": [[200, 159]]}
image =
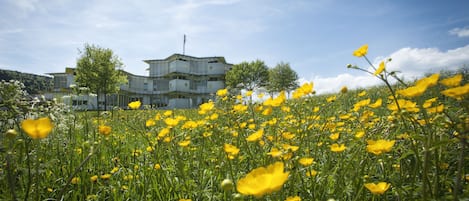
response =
{"points": [[397, 141]]}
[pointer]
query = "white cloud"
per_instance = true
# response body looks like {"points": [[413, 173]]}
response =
{"points": [[460, 32], [25, 5], [11, 31], [334, 84], [415, 62], [410, 62]]}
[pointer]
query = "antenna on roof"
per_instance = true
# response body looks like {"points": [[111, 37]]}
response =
{"points": [[184, 45]]}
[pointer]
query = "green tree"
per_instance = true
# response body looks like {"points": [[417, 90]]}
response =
{"points": [[99, 69], [282, 78], [248, 75]]}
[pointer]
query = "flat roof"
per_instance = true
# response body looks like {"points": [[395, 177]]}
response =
{"points": [[176, 56]]}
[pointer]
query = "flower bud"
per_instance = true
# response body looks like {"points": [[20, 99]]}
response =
{"points": [[237, 196], [11, 134], [227, 184]]}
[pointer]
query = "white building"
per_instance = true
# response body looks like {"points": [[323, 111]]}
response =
{"points": [[179, 81]]}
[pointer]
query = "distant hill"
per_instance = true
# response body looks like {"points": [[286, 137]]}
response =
{"points": [[34, 84]]}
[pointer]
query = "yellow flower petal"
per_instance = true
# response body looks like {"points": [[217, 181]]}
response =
{"points": [[37, 129], [135, 105], [379, 188], [263, 180], [380, 68], [361, 51]]}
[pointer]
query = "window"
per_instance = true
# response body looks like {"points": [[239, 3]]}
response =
{"points": [[180, 77]]}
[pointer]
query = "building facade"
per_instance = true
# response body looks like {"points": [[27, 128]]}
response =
{"points": [[179, 81]]}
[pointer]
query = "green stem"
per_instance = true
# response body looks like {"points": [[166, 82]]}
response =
{"points": [[28, 164], [37, 169], [425, 171], [457, 186], [69, 179], [11, 179]]}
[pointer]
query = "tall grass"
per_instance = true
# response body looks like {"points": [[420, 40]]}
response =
{"points": [[180, 154]]}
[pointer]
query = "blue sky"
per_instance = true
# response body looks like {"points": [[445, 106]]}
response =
{"points": [[316, 37]]}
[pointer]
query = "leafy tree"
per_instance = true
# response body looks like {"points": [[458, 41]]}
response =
{"points": [[33, 84], [99, 69], [282, 78], [248, 75]]}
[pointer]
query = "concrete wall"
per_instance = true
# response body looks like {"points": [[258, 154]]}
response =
{"points": [[179, 103], [179, 85]]}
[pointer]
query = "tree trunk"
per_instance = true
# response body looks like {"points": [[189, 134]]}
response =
{"points": [[97, 103], [105, 102]]}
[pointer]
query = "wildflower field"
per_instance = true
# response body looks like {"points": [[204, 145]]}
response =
{"points": [[400, 141]]}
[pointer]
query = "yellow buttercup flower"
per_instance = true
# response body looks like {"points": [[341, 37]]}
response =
{"points": [[206, 107], [428, 103], [75, 180], [429, 81], [304, 90], [267, 111], [413, 91], [379, 188], [255, 136], [452, 81], [293, 198], [240, 108], [37, 129], [157, 166], [436, 109], [168, 113], [104, 130], [376, 104], [361, 51], [150, 122], [288, 147], [184, 143], [171, 122], [359, 134], [189, 125], [276, 102], [94, 178], [380, 146], [164, 132], [380, 68], [361, 104], [105, 176], [363, 93], [230, 149], [263, 180], [114, 170], [311, 173], [457, 92], [420, 86], [306, 161], [222, 92], [135, 105], [331, 99], [288, 135], [334, 136], [274, 152], [405, 105], [337, 147]]}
